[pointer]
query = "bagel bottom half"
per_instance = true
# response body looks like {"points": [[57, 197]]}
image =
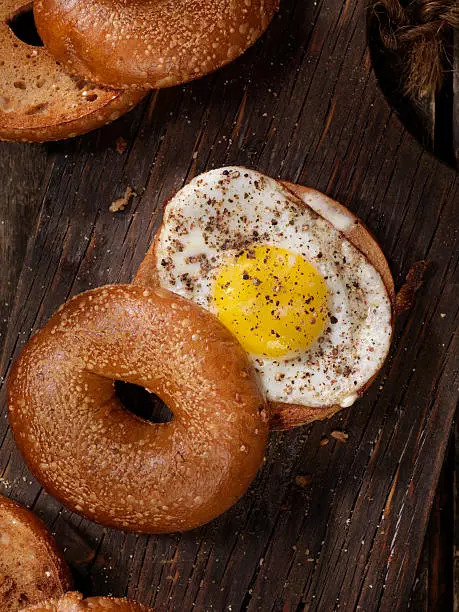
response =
{"points": [[39, 101], [74, 602], [104, 462], [32, 567], [289, 415]]}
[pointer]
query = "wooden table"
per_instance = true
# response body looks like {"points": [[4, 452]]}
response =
{"points": [[304, 105]]}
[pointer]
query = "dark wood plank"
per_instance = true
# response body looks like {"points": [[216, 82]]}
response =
{"points": [[24, 173], [456, 518], [433, 588], [304, 105]]}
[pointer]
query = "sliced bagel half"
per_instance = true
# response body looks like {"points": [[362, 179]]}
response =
{"points": [[39, 101], [286, 415], [32, 567]]}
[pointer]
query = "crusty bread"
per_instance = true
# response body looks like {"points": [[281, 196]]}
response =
{"points": [[108, 464], [74, 602], [38, 100], [31, 566], [282, 415], [149, 44]]}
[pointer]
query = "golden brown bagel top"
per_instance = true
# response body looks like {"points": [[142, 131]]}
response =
{"points": [[104, 462], [74, 602], [31, 565], [38, 100], [149, 43]]}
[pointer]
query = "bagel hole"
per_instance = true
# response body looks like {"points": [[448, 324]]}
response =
{"points": [[23, 27], [142, 403]]}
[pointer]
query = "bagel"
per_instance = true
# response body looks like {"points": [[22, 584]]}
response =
{"points": [[38, 100], [284, 415], [106, 463], [74, 602], [149, 43], [32, 567]]}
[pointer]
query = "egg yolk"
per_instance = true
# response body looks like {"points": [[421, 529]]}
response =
{"points": [[274, 301]]}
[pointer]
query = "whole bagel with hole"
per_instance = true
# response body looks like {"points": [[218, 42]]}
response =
{"points": [[232, 215], [32, 567], [149, 43], [74, 602], [104, 462], [39, 101]]}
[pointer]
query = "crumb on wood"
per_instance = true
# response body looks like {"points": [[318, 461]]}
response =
{"points": [[5, 483], [121, 145], [341, 436], [324, 441], [404, 299], [303, 480], [121, 203]]}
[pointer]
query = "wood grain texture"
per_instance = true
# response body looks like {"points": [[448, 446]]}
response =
{"points": [[302, 105], [433, 588]]}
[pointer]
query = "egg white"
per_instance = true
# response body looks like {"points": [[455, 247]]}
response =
{"points": [[223, 211]]}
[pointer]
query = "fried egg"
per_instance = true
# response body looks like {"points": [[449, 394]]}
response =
{"points": [[308, 307]]}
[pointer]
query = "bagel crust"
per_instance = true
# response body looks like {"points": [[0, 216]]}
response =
{"points": [[74, 602], [39, 101], [283, 416], [104, 462], [31, 565], [149, 43]]}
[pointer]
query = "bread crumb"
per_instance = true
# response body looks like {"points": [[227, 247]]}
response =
{"points": [[5, 483], [303, 480], [404, 299], [121, 145], [341, 436], [324, 441], [121, 203]]}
